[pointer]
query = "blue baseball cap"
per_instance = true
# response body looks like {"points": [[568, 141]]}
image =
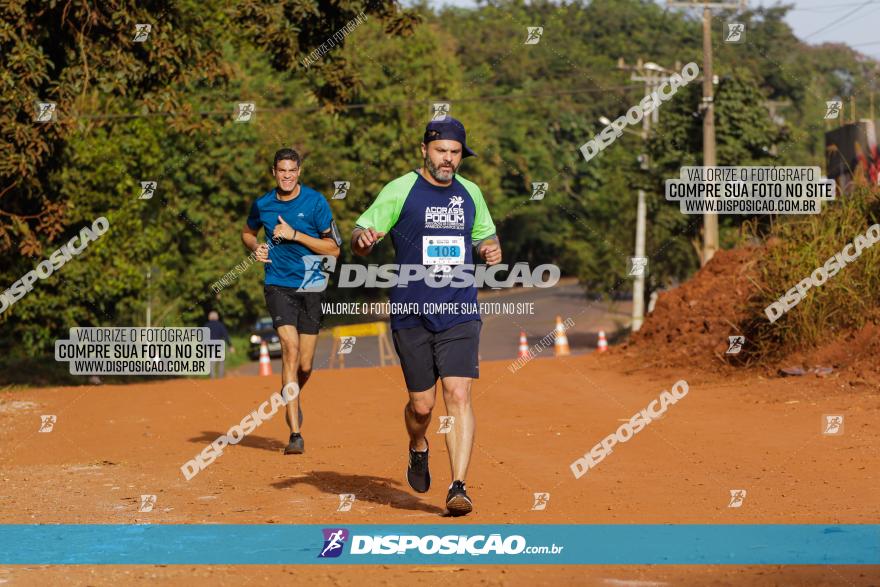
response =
{"points": [[448, 129]]}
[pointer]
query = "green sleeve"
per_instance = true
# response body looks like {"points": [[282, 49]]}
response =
{"points": [[483, 225], [383, 213]]}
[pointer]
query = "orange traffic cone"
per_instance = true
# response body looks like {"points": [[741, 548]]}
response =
{"points": [[560, 345], [265, 363], [603, 342], [523, 345]]}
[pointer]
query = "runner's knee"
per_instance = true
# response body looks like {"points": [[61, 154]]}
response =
{"points": [[458, 395], [421, 408], [289, 344], [306, 360], [289, 356]]}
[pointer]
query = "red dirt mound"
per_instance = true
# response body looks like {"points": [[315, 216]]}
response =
{"points": [[853, 355], [690, 324]]}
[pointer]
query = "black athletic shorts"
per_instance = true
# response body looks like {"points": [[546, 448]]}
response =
{"points": [[425, 355], [300, 309]]}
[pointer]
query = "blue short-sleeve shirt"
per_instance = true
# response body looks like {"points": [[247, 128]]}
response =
{"points": [[308, 213]]}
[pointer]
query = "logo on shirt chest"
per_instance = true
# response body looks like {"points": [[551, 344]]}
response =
{"points": [[297, 220], [452, 216]]}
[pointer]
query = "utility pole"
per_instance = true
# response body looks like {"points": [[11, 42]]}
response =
{"points": [[652, 75], [639, 284], [710, 220], [149, 294]]}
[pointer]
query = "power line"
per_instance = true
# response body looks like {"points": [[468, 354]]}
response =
{"points": [[825, 7], [845, 16], [860, 16]]}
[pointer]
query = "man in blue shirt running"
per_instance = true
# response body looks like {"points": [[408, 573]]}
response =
{"points": [[301, 226], [434, 218]]}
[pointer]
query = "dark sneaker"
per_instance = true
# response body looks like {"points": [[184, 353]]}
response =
{"points": [[296, 446], [457, 501], [417, 472]]}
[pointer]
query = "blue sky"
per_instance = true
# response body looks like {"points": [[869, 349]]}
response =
{"points": [[858, 22], [854, 22]]}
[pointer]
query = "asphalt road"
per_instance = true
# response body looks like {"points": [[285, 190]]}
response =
{"points": [[500, 335]]}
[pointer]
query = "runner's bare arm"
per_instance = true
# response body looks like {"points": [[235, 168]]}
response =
{"points": [[490, 250], [320, 246], [363, 239], [326, 245], [382, 214], [249, 238]]}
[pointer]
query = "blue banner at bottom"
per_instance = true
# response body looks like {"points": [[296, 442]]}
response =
{"points": [[102, 544]]}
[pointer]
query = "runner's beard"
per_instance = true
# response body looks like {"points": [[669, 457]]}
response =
{"points": [[437, 173]]}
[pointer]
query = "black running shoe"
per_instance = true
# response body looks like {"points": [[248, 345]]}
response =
{"points": [[457, 501], [417, 472], [296, 446]]}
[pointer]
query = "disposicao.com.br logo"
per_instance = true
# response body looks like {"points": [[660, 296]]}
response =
{"points": [[402, 544]]}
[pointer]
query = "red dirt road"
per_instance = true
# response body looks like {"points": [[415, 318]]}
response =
{"points": [[111, 444]]}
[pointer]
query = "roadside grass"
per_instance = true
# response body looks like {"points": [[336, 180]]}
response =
{"points": [[795, 247], [240, 357]]}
